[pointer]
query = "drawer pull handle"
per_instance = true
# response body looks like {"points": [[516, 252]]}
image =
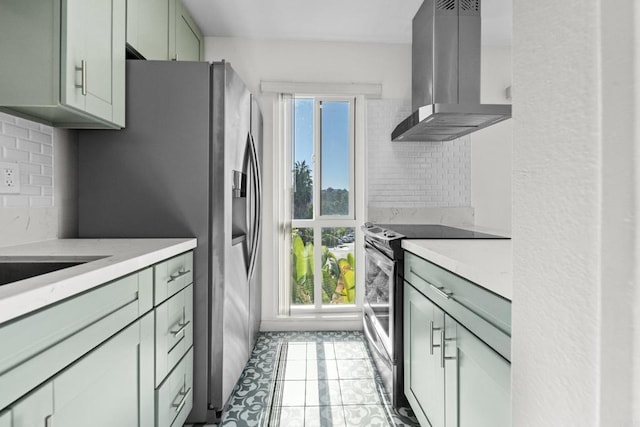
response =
{"points": [[440, 291], [181, 328], [177, 275], [184, 395]]}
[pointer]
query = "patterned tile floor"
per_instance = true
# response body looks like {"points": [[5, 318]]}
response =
{"points": [[308, 379]]}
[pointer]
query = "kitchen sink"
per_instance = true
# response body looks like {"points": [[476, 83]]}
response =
{"points": [[13, 269]]}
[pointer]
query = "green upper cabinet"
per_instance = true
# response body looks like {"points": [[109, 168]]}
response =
{"points": [[63, 61], [148, 28], [163, 29], [186, 42]]}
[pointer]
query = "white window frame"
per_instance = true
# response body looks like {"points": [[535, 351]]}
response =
{"points": [[275, 314], [355, 219], [318, 222]]}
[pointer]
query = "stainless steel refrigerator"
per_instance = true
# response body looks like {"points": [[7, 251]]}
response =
{"points": [[188, 164]]}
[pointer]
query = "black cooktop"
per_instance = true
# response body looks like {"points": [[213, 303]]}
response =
{"points": [[436, 231]]}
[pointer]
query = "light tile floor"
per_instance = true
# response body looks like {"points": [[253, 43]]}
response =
{"points": [[307, 379]]}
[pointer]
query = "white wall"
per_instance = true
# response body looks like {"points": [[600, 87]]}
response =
{"points": [[256, 60], [46, 207], [576, 325], [491, 148]]}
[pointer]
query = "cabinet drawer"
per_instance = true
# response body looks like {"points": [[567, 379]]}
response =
{"points": [[38, 346], [174, 331], [174, 398], [481, 311], [172, 275]]}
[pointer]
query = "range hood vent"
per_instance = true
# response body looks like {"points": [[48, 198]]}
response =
{"points": [[446, 74]]}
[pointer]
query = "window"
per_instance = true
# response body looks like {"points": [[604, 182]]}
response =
{"points": [[323, 215]]}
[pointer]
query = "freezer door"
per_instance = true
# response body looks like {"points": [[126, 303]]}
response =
{"points": [[231, 118]]}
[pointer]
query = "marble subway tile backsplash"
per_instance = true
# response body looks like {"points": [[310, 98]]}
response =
{"points": [[30, 145]]}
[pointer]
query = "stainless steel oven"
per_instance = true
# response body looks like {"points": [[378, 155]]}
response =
{"points": [[379, 296], [383, 287]]}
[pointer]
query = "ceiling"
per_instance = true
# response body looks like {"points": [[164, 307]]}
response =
{"points": [[375, 21]]}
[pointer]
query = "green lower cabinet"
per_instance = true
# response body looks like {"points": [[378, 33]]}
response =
{"points": [[174, 397], [483, 391], [174, 331], [107, 387], [452, 378], [424, 377], [91, 359]]}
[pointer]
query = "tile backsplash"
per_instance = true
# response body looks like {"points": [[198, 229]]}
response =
{"points": [[413, 174], [29, 144]]}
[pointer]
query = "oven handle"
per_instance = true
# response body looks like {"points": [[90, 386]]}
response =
{"points": [[381, 261], [374, 340]]}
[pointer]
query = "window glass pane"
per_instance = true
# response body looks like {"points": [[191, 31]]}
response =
{"points": [[336, 161], [338, 266], [302, 266], [303, 159]]}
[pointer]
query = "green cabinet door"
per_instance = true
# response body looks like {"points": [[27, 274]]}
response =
{"points": [[89, 52], [478, 381], [186, 42], [148, 28], [424, 375], [64, 61], [35, 409], [110, 386], [103, 386]]}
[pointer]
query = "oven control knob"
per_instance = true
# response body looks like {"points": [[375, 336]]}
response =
{"points": [[390, 234]]}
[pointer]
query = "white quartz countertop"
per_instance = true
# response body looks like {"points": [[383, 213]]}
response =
{"points": [[108, 260], [485, 262]]}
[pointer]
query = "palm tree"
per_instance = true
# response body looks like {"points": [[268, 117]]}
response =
{"points": [[303, 191]]}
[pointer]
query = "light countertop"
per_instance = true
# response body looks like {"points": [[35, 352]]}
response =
{"points": [[487, 263], [109, 260]]}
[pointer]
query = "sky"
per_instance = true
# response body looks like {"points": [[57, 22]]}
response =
{"points": [[335, 140]]}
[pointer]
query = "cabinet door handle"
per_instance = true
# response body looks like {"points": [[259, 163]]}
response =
{"points": [[431, 344], [176, 276], [442, 348], [184, 395], [48, 421], [181, 328], [83, 78]]}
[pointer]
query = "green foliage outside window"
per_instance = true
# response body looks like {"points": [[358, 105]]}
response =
{"points": [[338, 274]]}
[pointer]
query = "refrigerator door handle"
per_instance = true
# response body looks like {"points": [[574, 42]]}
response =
{"points": [[256, 176]]}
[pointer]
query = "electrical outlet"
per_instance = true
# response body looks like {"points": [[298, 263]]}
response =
{"points": [[9, 178]]}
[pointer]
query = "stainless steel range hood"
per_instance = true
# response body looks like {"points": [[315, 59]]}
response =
{"points": [[446, 74]]}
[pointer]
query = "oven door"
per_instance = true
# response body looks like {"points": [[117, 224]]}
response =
{"points": [[379, 299]]}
